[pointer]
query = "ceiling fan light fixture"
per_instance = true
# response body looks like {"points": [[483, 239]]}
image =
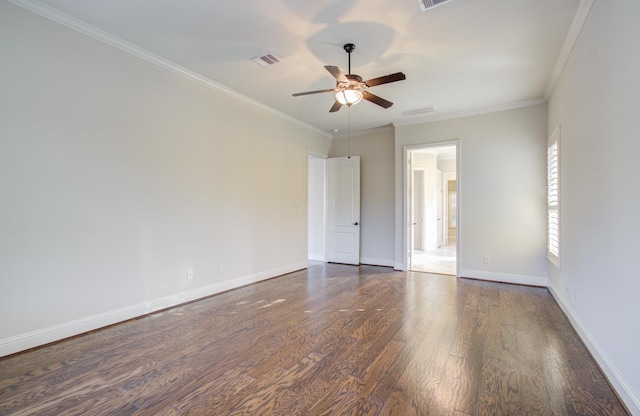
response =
{"points": [[349, 97], [350, 89]]}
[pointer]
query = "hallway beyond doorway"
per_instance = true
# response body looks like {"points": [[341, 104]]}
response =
{"points": [[441, 260], [431, 204]]}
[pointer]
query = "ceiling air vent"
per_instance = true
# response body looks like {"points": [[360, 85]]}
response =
{"points": [[266, 59], [430, 4], [425, 110]]}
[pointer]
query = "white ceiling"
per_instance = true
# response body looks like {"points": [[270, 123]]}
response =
{"points": [[462, 56]]}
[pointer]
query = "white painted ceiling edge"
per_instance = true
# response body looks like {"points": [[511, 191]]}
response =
{"points": [[128, 47]]}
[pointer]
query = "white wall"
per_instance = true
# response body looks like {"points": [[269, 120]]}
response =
{"points": [[595, 104], [447, 165], [376, 193], [118, 176], [501, 191], [316, 207]]}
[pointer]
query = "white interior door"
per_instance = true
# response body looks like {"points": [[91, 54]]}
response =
{"points": [[418, 209], [343, 214], [410, 198]]}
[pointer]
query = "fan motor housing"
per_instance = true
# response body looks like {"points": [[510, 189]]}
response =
{"points": [[355, 83]]}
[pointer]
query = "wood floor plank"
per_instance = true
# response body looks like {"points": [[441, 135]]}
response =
{"points": [[459, 385], [214, 393], [264, 395], [500, 392], [333, 339]]}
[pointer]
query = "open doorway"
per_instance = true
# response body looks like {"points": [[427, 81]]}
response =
{"points": [[432, 208]]}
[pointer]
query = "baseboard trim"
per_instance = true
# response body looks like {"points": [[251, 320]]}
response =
{"points": [[504, 277], [377, 262], [626, 394], [59, 332]]}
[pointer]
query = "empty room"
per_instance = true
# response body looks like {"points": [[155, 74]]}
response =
{"points": [[338, 207]]}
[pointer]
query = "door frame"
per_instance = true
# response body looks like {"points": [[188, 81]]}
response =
{"points": [[406, 199], [417, 219]]}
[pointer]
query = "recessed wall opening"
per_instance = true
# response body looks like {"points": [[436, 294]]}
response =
{"points": [[316, 207]]}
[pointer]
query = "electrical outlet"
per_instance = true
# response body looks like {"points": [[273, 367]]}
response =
{"points": [[189, 274], [486, 259]]}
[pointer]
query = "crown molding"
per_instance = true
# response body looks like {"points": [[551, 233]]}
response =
{"points": [[100, 35], [467, 113], [380, 129], [579, 20]]}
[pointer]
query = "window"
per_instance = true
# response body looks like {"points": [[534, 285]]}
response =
{"points": [[553, 198]]}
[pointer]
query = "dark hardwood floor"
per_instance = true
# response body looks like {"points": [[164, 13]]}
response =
{"points": [[333, 339]]}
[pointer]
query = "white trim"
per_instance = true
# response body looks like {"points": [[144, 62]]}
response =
{"points": [[100, 35], [58, 332], [376, 262], [505, 277], [373, 130], [467, 113], [618, 382], [579, 20], [403, 264], [553, 260]]}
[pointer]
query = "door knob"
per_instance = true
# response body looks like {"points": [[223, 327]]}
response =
{"points": [[355, 223]]}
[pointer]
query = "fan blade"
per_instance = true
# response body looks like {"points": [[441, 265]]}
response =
{"points": [[337, 74], [376, 100], [398, 76], [336, 107], [312, 92]]}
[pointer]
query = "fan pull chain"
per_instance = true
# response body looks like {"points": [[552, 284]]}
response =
{"points": [[349, 132]]}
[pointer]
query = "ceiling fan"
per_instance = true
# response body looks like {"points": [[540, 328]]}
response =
{"points": [[350, 88]]}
